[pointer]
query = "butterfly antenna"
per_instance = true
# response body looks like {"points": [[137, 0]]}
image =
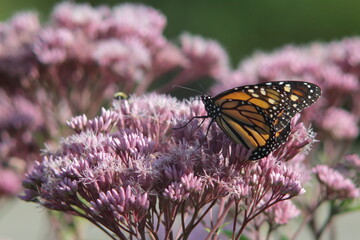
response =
{"points": [[202, 88], [191, 89]]}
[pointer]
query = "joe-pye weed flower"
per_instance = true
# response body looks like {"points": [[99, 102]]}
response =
{"points": [[126, 170], [130, 174], [74, 63]]}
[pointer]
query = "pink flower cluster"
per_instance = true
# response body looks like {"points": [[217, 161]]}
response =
{"points": [[335, 184], [76, 62], [119, 165]]}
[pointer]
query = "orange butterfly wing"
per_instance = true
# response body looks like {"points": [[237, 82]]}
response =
{"points": [[258, 116]]}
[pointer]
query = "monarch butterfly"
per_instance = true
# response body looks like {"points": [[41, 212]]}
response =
{"points": [[258, 116]]}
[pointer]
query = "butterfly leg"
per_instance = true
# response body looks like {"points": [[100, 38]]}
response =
{"points": [[203, 117], [208, 128]]}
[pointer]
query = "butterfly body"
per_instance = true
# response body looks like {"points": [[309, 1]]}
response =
{"points": [[258, 116]]}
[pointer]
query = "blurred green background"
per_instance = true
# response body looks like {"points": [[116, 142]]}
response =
{"points": [[241, 26]]}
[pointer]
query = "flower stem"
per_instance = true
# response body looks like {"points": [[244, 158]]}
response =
{"points": [[220, 219]]}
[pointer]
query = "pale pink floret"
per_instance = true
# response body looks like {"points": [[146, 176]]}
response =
{"points": [[335, 184], [282, 212]]}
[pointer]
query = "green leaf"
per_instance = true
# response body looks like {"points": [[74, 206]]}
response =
{"points": [[243, 237], [227, 233]]}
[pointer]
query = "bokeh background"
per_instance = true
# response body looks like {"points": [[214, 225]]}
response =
{"points": [[242, 28]]}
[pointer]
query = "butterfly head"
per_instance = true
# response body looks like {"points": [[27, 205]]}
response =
{"points": [[211, 108]]}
